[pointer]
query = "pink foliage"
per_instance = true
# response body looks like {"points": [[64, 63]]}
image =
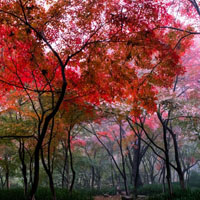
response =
{"points": [[152, 122], [78, 142], [106, 135]]}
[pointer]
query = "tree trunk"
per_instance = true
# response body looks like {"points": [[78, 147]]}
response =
{"points": [[112, 175], [163, 180], [52, 188], [36, 173], [7, 173], [7, 180], [23, 167], [123, 161], [146, 175], [179, 168], [42, 132], [166, 152], [31, 173], [49, 173], [71, 162], [136, 165], [168, 176], [2, 183], [93, 177], [65, 179]]}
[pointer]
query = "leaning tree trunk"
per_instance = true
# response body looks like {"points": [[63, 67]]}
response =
{"points": [[50, 176], [37, 158], [166, 152], [49, 166], [41, 136], [179, 168]]}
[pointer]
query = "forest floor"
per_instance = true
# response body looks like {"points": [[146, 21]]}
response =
{"points": [[117, 197]]}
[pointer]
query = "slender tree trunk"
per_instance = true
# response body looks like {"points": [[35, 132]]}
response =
{"points": [[121, 172], [182, 181], [136, 164], [71, 162], [65, 179], [93, 177], [112, 175], [123, 162], [179, 168], [37, 162], [63, 173], [2, 184], [31, 172], [146, 180], [7, 173], [23, 167], [168, 176], [131, 163], [163, 180], [50, 176], [188, 178], [52, 188], [36, 173], [99, 181], [7, 180], [166, 152]]}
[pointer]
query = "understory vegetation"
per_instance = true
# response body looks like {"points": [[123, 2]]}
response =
{"points": [[152, 192]]}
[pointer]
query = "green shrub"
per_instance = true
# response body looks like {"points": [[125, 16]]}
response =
{"points": [[194, 179], [150, 189], [179, 195], [45, 194], [75, 195], [154, 189], [109, 191], [12, 194]]}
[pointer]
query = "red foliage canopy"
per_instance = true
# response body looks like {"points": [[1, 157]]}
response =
{"points": [[111, 50]]}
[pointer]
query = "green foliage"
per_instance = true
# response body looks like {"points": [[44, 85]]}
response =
{"points": [[45, 194], [179, 194], [12, 194], [150, 189], [76, 195], [194, 179], [155, 189]]}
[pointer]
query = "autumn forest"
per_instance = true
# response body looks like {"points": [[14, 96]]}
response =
{"points": [[99, 99]]}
